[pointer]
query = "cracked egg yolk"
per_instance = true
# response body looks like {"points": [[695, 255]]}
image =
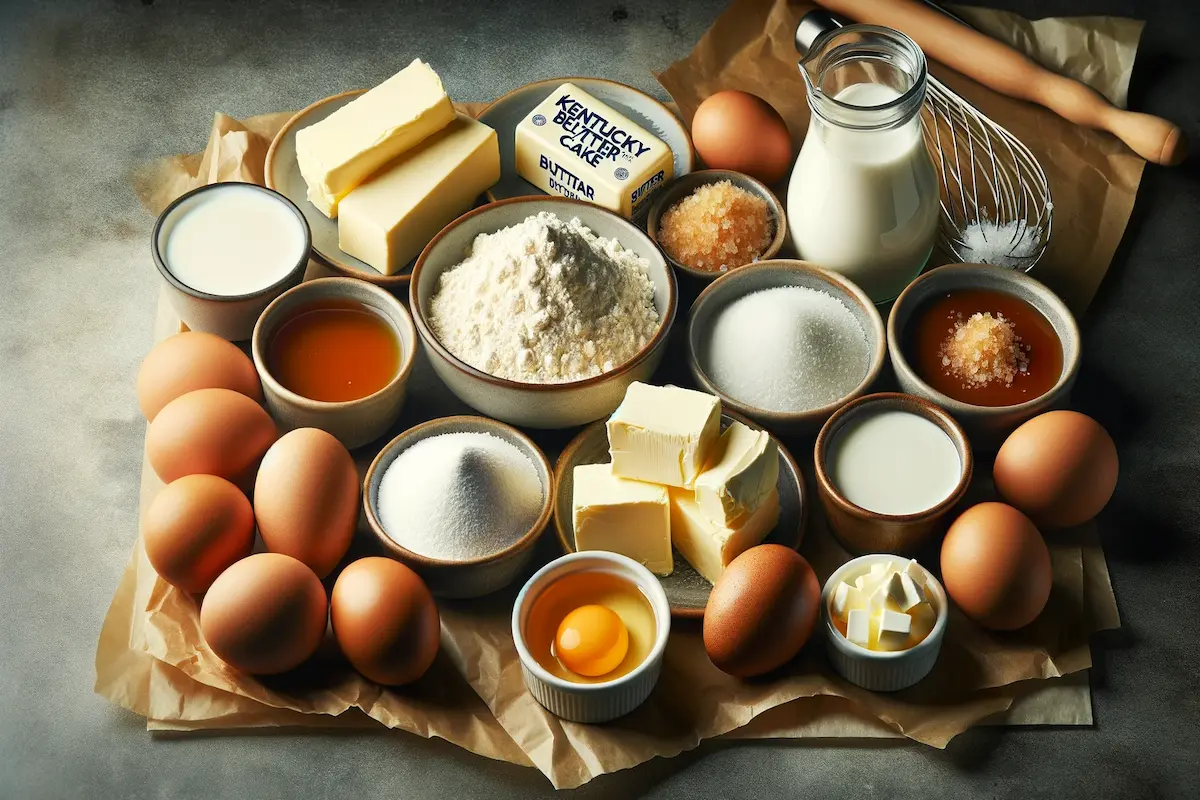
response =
{"points": [[592, 641]]}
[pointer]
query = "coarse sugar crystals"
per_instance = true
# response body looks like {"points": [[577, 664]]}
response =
{"points": [[786, 349]]}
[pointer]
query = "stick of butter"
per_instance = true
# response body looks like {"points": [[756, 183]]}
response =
{"points": [[663, 434], [344, 149], [575, 146], [389, 219], [743, 471]]}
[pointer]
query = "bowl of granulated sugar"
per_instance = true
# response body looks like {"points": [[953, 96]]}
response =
{"points": [[786, 343], [541, 311], [462, 501]]}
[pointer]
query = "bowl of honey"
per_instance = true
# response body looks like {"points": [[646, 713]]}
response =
{"points": [[990, 345], [335, 354], [590, 630]]}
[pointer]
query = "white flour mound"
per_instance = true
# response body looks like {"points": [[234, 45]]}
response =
{"points": [[545, 301]]}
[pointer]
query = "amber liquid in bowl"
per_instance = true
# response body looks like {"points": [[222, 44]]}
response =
{"points": [[934, 321], [334, 353]]}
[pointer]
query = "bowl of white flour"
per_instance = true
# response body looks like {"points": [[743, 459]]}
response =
{"points": [[541, 311]]}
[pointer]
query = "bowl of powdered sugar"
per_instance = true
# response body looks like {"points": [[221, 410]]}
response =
{"points": [[462, 501], [786, 343], [541, 311]]}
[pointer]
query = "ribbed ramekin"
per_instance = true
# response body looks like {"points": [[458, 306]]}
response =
{"points": [[882, 672], [592, 702]]}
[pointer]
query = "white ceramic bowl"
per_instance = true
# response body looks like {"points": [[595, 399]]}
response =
{"points": [[883, 672], [231, 317], [539, 405], [592, 702]]}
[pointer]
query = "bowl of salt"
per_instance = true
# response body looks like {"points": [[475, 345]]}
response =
{"points": [[785, 343]]}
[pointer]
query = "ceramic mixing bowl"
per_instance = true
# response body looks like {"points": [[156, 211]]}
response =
{"points": [[538, 405], [769, 275]]}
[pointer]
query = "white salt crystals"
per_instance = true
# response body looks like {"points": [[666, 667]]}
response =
{"points": [[459, 496], [786, 349]]}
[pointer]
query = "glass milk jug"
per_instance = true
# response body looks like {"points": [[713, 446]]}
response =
{"points": [[863, 197]]}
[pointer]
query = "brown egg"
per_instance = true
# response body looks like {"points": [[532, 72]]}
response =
{"points": [[264, 615], [996, 567], [306, 498], [739, 131], [195, 529], [1060, 468], [761, 611], [192, 360], [211, 432], [385, 620]]}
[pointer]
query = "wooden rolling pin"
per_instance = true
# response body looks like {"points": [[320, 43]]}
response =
{"points": [[1005, 70]]}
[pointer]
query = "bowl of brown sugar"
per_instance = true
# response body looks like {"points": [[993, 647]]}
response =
{"points": [[710, 222]]}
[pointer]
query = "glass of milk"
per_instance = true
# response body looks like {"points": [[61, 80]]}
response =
{"points": [[863, 197], [225, 251]]}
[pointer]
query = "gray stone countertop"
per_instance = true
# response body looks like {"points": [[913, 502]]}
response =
{"points": [[89, 90]]}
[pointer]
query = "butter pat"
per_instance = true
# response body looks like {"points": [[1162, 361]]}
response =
{"points": [[743, 471], [622, 516], [858, 626], [575, 146], [903, 592], [709, 546], [347, 147], [894, 627], [663, 434], [847, 598], [388, 220]]}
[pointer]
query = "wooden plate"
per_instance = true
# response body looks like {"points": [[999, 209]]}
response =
{"points": [[687, 591], [507, 112]]}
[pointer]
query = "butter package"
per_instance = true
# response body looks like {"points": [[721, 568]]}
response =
{"points": [[575, 146]]}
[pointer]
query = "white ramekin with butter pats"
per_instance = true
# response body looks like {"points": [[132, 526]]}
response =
{"points": [[884, 618]]}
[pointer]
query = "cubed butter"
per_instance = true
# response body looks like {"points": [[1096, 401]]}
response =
{"points": [[708, 545], [575, 146], [663, 434], [903, 592], [388, 220], [743, 470], [622, 516], [894, 628], [847, 598], [858, 626], [341, 151]]}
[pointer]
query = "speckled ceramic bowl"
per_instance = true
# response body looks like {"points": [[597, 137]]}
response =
{"points": [[539, 405], [986, 425], [353, 422], [768, 275], [683, 186], [477, 576], [861, 530]]}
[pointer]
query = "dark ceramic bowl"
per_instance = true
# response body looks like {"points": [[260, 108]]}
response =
{"points": [[986, 425]]}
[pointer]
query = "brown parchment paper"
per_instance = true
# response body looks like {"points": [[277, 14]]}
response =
{"points": [[1093, 177], [152, 660]]}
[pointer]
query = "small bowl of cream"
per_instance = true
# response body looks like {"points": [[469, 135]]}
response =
{"points": [[889, 467], [225, 251]]}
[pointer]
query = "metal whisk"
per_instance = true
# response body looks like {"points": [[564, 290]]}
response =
{"points": [[995, 198]]}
